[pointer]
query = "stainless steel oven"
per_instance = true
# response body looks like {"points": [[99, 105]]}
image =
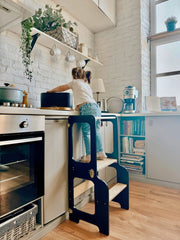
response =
{"points": [[21, 160]]}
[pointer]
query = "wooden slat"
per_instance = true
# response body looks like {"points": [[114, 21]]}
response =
{"points": [[105, 163], [115, 190], [83, 187]]}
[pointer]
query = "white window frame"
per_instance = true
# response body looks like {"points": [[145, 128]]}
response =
{"points": [[157, 40]]}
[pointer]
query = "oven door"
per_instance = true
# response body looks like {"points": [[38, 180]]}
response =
{"points": [[21, 169]]}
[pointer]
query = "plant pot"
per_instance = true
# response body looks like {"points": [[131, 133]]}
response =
{"points": [[65, 36], [171, 26]]}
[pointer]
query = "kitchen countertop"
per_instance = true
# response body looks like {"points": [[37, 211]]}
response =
{"points": [[46, 112], [35, 111]]}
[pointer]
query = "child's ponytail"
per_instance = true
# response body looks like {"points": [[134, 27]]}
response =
{"points": [[78, 73]]}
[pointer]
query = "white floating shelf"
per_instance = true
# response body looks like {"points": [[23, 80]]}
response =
{"points": [[48, 41]]}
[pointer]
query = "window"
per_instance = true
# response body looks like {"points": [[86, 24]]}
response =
{"points": [[165, 50]]}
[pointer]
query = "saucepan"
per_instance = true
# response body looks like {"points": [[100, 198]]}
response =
{"points": [[10, 94]]}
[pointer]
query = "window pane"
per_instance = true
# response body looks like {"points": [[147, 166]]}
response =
{"points": [[169, 87], [168, 57], [165, 10]]}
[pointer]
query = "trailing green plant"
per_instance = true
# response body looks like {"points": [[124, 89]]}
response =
{"points": [[26, 46], [44, 20]]}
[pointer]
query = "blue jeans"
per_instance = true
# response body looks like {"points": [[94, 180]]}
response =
{"points": [[91, 109]]}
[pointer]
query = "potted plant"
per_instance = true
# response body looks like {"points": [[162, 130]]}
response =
{"points": [[171, 23], [50, 21]]}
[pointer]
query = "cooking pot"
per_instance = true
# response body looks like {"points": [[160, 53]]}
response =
{"points": [[10, 94], [58, 99]]}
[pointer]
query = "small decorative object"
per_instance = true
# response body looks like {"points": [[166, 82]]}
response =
{"points": [[83, 48], [50, 21], [81, 63], [70, 57], [168, 104], [171, 23], [54, 51], [98, 87]]}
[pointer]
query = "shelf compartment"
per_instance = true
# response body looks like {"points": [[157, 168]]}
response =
{"points": [[48, 41]]}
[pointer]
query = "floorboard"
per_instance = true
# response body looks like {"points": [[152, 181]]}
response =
{"points": [[154, 214]]}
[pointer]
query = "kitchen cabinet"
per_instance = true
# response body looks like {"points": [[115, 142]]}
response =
{"points": [[108, 7], [56, 168], [11, 13], [132, 143], [162, 148], [96, 2], [96, 15]]}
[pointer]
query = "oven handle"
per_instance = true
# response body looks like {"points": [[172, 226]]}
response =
{"points": [[26, 140]]}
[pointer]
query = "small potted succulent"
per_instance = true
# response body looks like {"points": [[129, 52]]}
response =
{"points": [[171, 23]]}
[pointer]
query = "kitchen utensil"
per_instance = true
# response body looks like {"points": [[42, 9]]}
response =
{"points": [[58, 99], [54, 51], [130, 94], [70, 57], [10, 94], [114, 105]]}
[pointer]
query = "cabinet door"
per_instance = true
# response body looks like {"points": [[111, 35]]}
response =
{"points": [[56, 171], [109, 8], [96, 2], [162, 148]]}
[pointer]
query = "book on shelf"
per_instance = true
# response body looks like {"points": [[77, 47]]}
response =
{"points": [[132, 162], [139, 143], [131, 158], [142, 150], [127, 144], [134, 169], [140, 153], [157, 104], [128, 127], [133, 127]]}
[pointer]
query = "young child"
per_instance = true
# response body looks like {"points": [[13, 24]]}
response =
{"points": [[86, 105]]}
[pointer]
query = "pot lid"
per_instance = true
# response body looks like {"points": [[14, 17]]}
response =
{"points": [[9, 87]]}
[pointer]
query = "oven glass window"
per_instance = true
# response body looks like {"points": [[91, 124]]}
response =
{"points": [[16, 169], [21, 171]]}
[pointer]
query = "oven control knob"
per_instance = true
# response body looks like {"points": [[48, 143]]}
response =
{"points": [[24, 124]]}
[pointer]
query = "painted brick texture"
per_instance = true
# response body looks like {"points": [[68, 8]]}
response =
{"points": [[48, 71], [124, 50]]}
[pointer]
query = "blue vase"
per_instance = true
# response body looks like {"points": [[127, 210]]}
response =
{"points": [[171, 26]]}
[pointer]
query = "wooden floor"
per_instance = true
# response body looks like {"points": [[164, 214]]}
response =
{"points": [[154, 214]]}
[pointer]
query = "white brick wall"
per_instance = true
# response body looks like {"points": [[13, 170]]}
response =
{"points": [[48, 72], [124, 51]]}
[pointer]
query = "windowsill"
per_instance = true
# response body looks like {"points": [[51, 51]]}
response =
{"points": [[163, 34]]}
